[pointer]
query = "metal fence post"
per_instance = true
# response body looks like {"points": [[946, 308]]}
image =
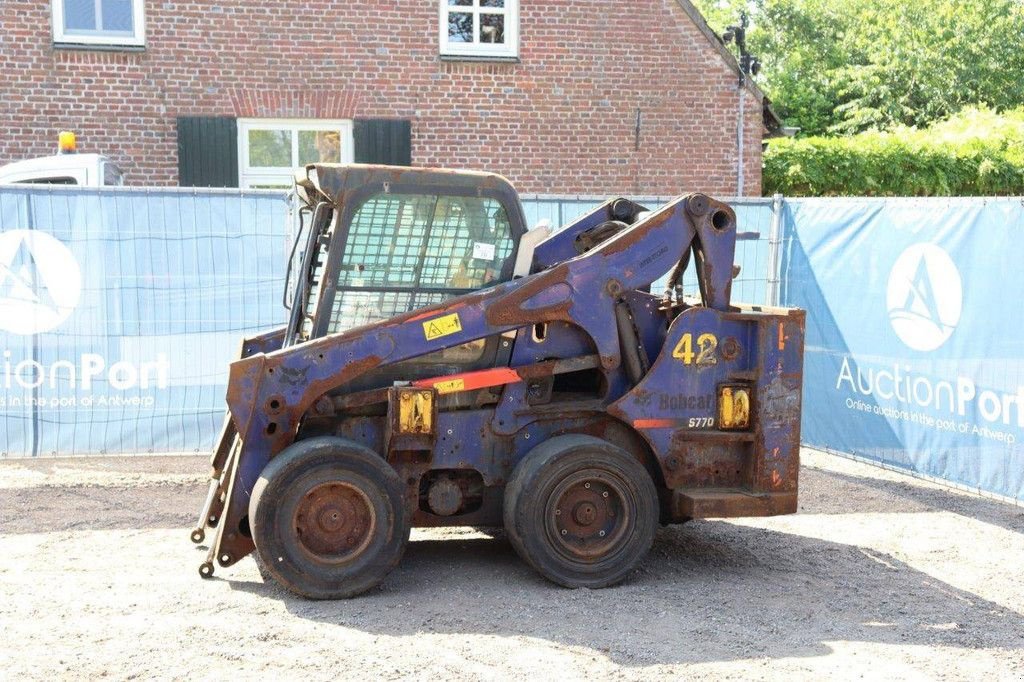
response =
{"points": [[774, 252]]}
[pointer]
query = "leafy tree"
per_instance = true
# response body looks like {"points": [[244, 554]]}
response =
{"points": [[843, 66]]}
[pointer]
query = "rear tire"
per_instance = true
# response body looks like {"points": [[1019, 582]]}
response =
{"points": [[329, 519], [581, 511]]}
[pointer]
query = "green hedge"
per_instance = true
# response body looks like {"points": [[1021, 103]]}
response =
{"points": [[976, 153]]}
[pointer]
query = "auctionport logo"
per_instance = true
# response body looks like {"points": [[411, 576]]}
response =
{"points": [[924, 297], [40, 282]]}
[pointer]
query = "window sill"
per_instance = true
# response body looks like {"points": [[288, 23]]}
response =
{"points": [[479, 58], [98, 47]]}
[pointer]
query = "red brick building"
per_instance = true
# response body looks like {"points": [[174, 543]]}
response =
{"points": [[562, 96]]}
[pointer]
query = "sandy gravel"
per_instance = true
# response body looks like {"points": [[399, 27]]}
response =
{"points": [[878, 576]]}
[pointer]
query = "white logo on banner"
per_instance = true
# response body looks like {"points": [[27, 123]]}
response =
{"points": [[924, 297], [40, 282]]}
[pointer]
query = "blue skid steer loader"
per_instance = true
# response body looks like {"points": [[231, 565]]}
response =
{"points": [[442, 366]]}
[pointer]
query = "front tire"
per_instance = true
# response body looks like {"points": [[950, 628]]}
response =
{"points": [[328, 518], [581, 511]]}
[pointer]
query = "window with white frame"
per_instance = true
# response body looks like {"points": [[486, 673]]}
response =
{"points": [[480, 28], [271, 150], [99, 22]]}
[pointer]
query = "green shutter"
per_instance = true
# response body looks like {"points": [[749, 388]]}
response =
{"points": [[207, 151], [383, 140]]}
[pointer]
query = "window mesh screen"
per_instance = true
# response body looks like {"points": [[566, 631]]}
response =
{"points": [[468, 243], [420, 241], [356, 308], [433, 247], [385, 242]]}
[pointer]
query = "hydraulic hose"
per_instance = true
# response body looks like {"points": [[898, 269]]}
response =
{"points": [[299, 302]]}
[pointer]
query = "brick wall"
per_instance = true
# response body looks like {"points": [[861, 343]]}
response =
{"points": [[561, 120]]}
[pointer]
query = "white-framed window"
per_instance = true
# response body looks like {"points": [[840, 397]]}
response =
{"points": [[480, 28], [119, 23], [271, 150]]}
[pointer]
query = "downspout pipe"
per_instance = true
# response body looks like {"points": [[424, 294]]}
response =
{"points": [[739, 138]]}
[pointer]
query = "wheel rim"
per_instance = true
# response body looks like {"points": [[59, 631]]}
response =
{"points": [[588, 516], [334, 522]]}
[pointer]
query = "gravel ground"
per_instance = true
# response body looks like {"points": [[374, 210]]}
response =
{"points": [[879, 575]]}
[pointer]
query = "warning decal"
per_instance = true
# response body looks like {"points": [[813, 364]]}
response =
{"points": [[452, 386], [442, 326]]}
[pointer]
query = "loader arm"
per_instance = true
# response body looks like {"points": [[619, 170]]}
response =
{"points": [[216, 494], [270, 394]]}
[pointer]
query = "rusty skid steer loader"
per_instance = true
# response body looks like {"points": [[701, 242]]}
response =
{"points": [[444, 367]]}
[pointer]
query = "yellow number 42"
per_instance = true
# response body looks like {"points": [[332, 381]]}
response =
{"points": [[705, 354]]}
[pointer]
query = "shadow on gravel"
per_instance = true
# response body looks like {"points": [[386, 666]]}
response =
{"points": [[46, 509], [709, 591], [838, 493]]}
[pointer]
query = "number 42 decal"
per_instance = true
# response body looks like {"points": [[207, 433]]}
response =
{"points": [[705, 353]]}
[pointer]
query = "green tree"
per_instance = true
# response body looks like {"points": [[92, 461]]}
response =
{"points": [[844, 66]]}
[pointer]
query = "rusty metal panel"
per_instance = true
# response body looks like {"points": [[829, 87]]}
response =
{"points": [[721, 504]]}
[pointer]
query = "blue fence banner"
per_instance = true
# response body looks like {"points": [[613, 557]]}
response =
{"points": [[120, 310], [915, 339]]}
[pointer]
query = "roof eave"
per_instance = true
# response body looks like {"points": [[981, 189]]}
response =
{"points": [[701, 23]]}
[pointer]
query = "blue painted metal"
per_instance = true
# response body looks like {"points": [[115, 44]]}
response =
{"points": [[565, 324]]}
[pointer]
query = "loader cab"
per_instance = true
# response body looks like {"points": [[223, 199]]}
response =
{"points": [[378, 241]]}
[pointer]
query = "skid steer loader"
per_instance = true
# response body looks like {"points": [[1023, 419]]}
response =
{"points": [[442, 366]]}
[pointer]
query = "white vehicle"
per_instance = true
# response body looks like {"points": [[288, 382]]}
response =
{"points": [[66, 167]]}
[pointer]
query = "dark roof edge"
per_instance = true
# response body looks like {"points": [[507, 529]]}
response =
{"points": [[772, 121], [702, 24]]}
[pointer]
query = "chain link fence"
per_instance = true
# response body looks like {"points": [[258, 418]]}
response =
{"points": [[120, 309]]}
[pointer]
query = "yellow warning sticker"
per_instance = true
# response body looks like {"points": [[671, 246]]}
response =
{"points": [[452, 386], [442, 326]]}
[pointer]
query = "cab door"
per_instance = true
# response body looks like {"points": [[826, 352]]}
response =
{"points": [[406, 250]]}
